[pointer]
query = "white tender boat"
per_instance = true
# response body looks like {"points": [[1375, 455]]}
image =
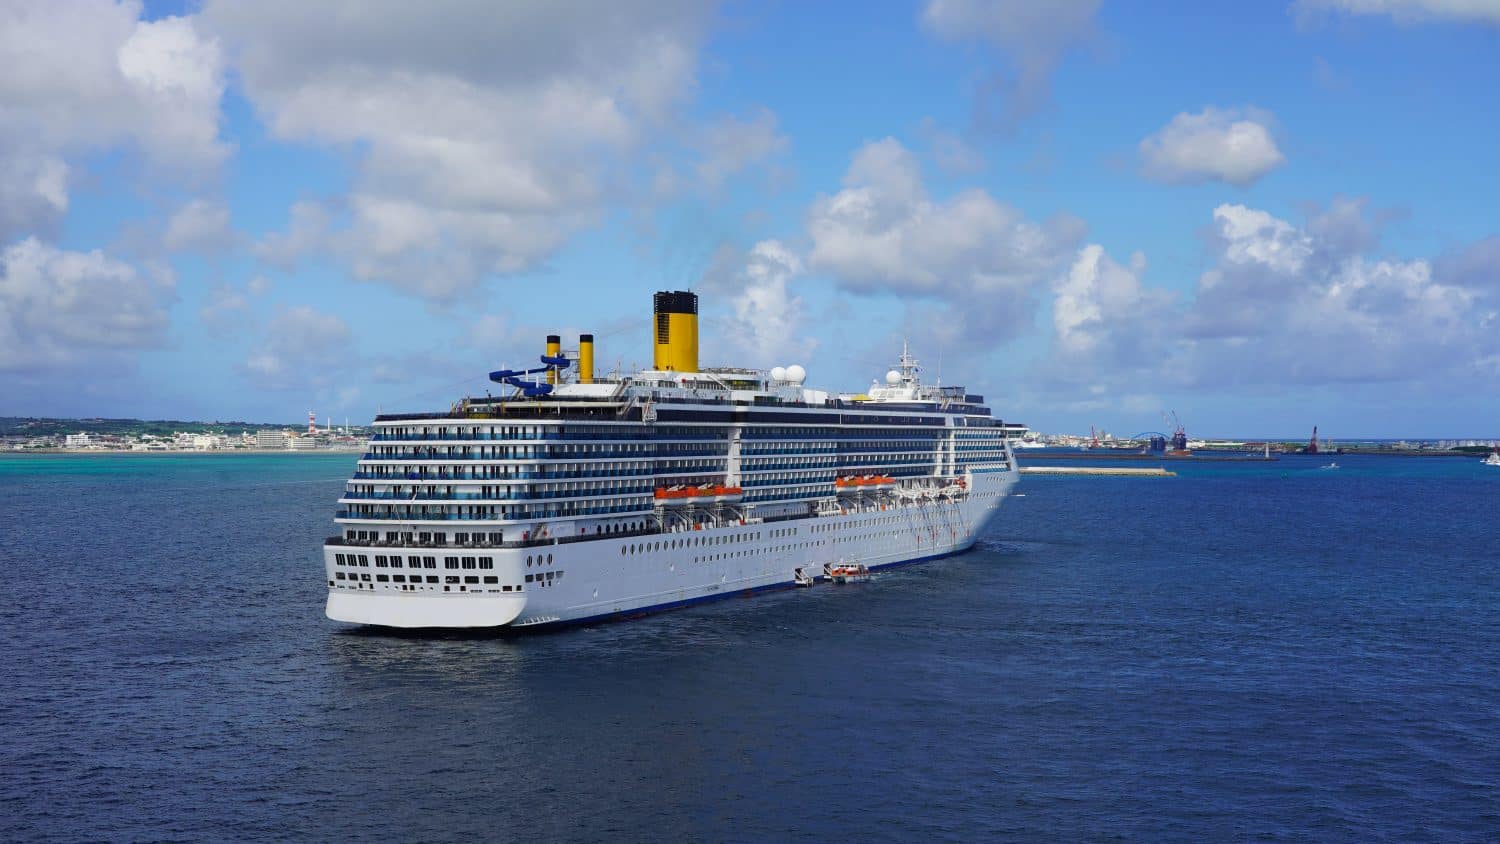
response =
{"points": [[848, 573]]}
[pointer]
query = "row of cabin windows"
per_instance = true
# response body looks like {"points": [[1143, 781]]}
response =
{"points": [[493, 537], [431, 578], [598, 431], [394, 561], [702, 541]]}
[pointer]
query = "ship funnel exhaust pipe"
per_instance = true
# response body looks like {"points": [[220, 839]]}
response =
{"points": [[676, 347], [585, 358], [554, 349]]}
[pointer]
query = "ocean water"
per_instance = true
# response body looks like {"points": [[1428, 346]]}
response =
{"points": [[1244, 651]]}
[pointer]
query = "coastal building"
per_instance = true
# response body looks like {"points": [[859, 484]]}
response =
{"points": [[77, 441], [303, 443], [270, 439]]}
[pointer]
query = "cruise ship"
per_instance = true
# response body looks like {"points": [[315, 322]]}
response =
{"points": [[575, 497]]}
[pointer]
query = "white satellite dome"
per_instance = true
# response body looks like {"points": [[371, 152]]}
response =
{"points": [[796, 374], [893, 378], [778, 373]]}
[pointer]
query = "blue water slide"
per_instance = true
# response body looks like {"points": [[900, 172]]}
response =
{"points": [[530, 388]]}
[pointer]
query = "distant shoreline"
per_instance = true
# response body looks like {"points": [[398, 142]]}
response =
{"points": [[103, 452]]}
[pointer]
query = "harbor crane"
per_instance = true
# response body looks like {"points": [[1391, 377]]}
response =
{"points": [[1179, 432]]}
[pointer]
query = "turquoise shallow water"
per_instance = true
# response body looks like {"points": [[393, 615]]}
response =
{"points": [[1244, 651]]}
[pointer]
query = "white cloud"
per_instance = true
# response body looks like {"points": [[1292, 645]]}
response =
{"points": [[1409, 11], [199, 226], [62, 309], [88, 75], [1097, 294], [1224, 145], [33, 191], [306, 233], [769, 325], [225, 308], [883, 232], [732, 145], [228, 306], [1031, 38], [1280, 304], [302, 348], [486, 134]]}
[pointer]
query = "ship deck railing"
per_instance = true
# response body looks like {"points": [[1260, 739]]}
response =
{"points": [[637, 489], [583, 474], [549, 437], [565, 457], [488, 546]]}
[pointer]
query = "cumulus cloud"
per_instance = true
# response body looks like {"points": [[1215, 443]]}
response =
{"points": [[1030, 38], [884, 233], [1097, 295], [1408, 11], [199, 226], [769, 322], [62, 309], [224, 306], [1282, 303], [33, 191], [1223, 145], [228, 307], [302, 348], [307, 232], [87, 75], [486, 134], [732, 145]]}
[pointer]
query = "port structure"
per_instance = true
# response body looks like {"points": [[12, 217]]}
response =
{"points": [[1179, 432], [1156, 441]]}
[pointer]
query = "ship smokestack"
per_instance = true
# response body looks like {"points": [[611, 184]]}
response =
{"points": [[554, 348], [585, 358], [676, 347]]}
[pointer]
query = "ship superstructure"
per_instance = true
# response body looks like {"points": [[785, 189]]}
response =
{"points": [[576, 497]]}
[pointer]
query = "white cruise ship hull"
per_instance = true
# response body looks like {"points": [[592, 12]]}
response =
{"points": [[563, 583]]}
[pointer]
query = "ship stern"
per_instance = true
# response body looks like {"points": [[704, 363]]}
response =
{"points": [[417, 611]]}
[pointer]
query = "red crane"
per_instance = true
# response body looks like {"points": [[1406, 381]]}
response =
{"points": [[1312, 444]]}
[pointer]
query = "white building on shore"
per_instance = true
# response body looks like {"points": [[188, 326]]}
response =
{"points": [[271, 439]]}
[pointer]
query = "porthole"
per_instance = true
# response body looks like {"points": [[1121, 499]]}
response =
{"points": [[528, 561], [549, 559]]}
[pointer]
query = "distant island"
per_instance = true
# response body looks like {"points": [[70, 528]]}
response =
{"points": [[40, 434]]}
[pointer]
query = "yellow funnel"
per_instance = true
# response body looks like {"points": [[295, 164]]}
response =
{"points": [[676, 346], [554, 348], [585, 358]]}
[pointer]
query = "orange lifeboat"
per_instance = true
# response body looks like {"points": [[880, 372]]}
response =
{"points": [[680, 495]]}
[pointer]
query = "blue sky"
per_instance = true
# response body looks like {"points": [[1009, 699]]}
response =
{"points": [[1262, 216]]}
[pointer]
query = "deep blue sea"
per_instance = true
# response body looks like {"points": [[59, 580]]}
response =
{"points": [[1246, 651]]}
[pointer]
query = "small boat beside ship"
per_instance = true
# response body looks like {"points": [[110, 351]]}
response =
{"points": [[848, 573]]}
